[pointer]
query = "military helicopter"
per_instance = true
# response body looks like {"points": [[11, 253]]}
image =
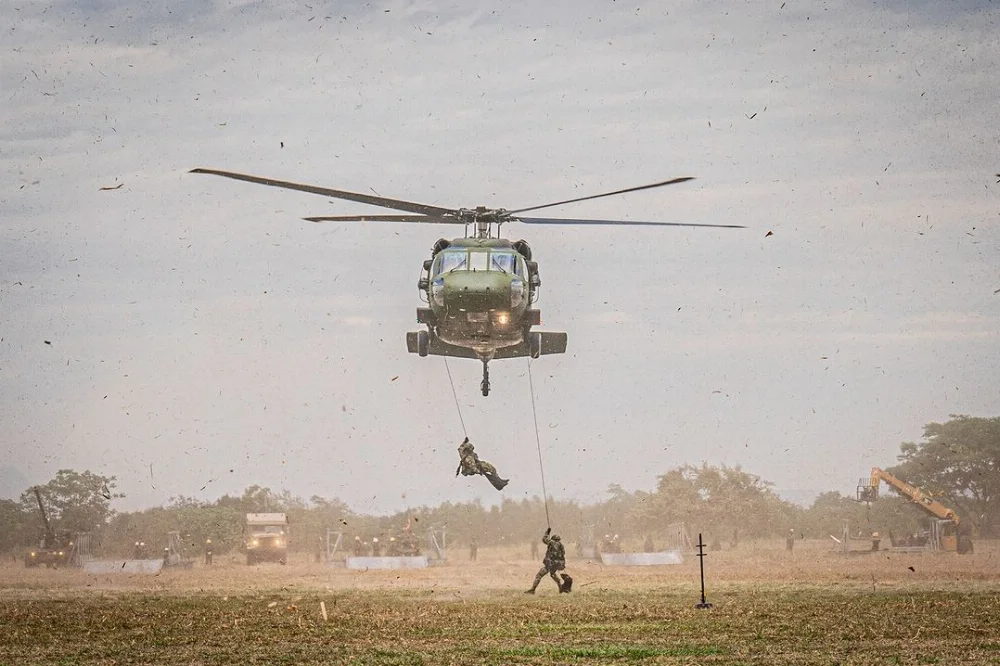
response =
{"points": [[479, 289]]}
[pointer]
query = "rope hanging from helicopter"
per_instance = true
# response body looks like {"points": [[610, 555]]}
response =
{"points": [[538, 445], [534, 416], [455, 395]]}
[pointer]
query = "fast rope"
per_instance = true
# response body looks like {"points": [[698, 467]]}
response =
{"points": [[538, 444], [457, 406]]}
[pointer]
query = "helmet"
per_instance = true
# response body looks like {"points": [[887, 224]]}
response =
{"points": [[555, 537]]}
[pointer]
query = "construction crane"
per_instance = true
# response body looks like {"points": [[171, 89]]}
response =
{"points": [[944, 530], [52, 551]]}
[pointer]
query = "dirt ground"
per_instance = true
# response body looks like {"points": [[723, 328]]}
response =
{"points": [[811, 605], [811, 563]]}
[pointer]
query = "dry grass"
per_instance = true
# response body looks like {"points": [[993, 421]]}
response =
{"points": [[809, 606]]}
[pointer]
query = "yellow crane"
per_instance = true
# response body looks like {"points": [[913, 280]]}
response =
{"points": [[868, 492]]}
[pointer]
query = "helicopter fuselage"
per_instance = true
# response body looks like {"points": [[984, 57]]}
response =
{"points": [[479, 292]]}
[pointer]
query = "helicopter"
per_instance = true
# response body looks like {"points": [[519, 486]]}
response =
{"points": [[479, 290]]}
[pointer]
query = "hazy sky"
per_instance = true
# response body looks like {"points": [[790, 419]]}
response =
{"points": [[203, 338]]}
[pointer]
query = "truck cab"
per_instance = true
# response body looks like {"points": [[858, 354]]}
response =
{"points": [[266, 537]]}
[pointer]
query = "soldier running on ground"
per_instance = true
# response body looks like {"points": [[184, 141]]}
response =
{"points": [[470, 465], [555, 560]]}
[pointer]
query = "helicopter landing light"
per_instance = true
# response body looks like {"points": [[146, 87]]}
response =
{"points": [[502, 318]]}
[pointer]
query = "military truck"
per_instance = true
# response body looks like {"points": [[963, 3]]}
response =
{"points": [[267, 537]]}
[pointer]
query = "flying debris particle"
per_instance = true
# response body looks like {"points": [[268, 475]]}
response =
{"points": [[47, 342], [783, 5], [751, 117], [110, 187], [911, 569], [996, 291], [769, 233], [394, 378], [887, 166], [272, 604], [282, 144], [105, 492]]}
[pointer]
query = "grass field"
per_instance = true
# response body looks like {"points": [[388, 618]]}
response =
{"points": [[808, 607]]}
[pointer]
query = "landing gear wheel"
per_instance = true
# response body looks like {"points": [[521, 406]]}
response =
{"points": [[535, 344], [485, 384], [423, 342]]}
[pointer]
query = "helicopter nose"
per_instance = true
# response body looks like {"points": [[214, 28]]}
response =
{"points": [[477, 292]]}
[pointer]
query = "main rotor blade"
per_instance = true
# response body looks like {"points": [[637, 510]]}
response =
{"points": [[623, 223], [396, 204], [673, 181], [428, 219]]}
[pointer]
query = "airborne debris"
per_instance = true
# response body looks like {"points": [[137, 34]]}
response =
{"points": [[769, 233], [111, 187]]}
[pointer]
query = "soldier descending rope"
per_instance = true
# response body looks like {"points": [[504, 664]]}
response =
{"points": [[470, 465], [555, 560]]}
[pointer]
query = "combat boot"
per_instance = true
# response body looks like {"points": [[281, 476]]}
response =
{"points": [[531, 591], [497, 482]]}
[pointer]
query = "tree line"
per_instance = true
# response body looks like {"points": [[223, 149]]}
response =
{"points": [[957, 461]]}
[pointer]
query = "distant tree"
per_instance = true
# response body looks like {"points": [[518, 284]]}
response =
{"points": [[716, 500], [74, 501], [960, 461], [888, 516], [258, 500], [13, 525]]}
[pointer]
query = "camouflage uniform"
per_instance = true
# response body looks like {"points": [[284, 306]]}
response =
{"points": [[555, 560], [470, 465]]}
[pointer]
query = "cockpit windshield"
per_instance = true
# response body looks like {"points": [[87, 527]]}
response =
{"points": [[503, 261], [463, 260], [452, 261]]}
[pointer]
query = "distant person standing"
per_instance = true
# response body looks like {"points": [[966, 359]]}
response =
{"points": [[473, 549], [790, 540], [208, 551], [534, 549], [648, 546]]}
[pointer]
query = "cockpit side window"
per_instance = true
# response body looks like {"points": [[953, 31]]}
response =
{"points": [[451, 261]]}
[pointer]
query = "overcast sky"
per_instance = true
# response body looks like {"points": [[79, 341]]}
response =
{"points": [[191, 335]]}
